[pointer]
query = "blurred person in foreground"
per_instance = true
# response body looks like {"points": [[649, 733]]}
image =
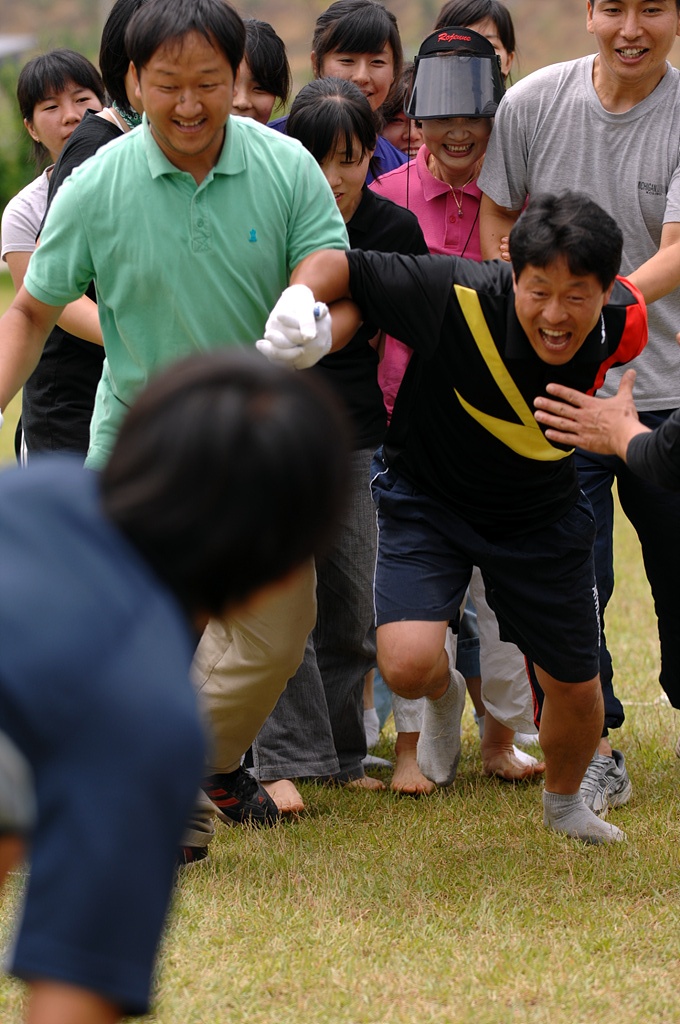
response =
{"points": [[227, 475], [189, 227]]}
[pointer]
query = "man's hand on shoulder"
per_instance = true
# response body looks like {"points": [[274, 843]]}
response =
{"points": [[298, 330]]}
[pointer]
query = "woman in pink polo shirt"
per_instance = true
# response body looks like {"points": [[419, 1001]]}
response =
{"points": [[440, 184]]}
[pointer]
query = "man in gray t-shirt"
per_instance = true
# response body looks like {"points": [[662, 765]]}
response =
{"points": [[609, 125]]}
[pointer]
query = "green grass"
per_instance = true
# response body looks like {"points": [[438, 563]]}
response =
{"points": [[462, 908]]}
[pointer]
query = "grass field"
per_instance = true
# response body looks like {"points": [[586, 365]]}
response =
{"points": [[458, 909]]}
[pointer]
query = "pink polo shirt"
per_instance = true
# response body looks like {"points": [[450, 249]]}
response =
{"points": [[445, 232]]}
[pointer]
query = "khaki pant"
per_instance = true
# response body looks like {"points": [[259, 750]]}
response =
{"points": [[242, 665]]}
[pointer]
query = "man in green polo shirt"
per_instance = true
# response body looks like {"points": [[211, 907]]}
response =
{"points": [[190, 227]]}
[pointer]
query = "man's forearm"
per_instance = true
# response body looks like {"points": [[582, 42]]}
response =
{"points": [[346, 322], [81, 319], [495, 223], [326, 273], [621, 432], [660, 275], [655, 455], [23, 331]]}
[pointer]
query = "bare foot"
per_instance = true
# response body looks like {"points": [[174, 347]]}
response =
{"points": [[408, 778], [509, 763], [285, 796], [365, 783]]}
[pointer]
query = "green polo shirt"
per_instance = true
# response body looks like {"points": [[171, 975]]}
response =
{"points": [[180, 267]]}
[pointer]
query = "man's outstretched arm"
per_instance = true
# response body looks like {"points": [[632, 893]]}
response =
{"points": [[300, 329], [326, 273], [611, 426], [660, 275], [23, 331]]}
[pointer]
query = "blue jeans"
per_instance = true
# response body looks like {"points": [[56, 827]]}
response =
{"points": [[655, 515], [317, 727]]}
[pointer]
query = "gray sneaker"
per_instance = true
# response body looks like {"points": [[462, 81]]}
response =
{"points": [[606, 783]]}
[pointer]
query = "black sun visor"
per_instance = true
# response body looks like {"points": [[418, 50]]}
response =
{"points": [[452, 81], [453, 85]]}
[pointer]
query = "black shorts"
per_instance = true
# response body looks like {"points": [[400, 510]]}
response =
{"points": [[540, 584]]}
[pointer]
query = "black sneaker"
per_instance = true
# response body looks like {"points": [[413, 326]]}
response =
{"points": [[190, 855], [239, 798]]}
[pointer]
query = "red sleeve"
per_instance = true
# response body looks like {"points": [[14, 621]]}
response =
{"points": [[633, 336]]}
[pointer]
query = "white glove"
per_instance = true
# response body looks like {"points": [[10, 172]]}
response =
{"points": [[1, 419], [298, 331]]}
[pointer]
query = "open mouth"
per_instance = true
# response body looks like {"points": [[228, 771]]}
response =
{"points": [[554, 341], [631, 53], [457, 150], [189, 126]]}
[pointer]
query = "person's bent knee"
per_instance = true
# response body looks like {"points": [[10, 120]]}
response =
{"points": [[408, 677], [411, 656]]}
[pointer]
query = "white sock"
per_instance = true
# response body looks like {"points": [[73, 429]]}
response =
{"points": [[438, 750], [568, 813], [371, 727]]}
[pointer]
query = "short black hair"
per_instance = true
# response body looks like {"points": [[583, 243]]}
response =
{"points": [[356, 26], [228, 473], [330, 112], [567, 226], [50, 73], [169, 21], [113, 57], [469, 12], [396, 101], [267, 60]]}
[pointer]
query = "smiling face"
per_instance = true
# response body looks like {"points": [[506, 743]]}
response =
{"points": [[346, 174], [372, 73], [250, 99], [401, 131], [187, 90], [558, 309], [57, 116], [634, 38], [456, 145]]}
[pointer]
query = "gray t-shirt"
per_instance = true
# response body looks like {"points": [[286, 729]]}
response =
{"points": [[23, 216], [551, 133]]}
